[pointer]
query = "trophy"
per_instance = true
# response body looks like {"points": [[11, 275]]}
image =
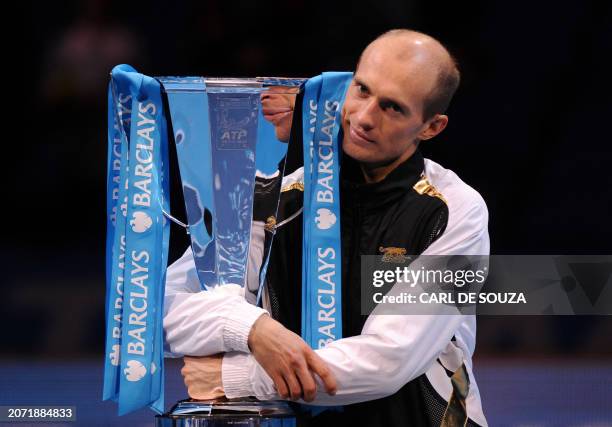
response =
{"points": [[231, 138], [231, 158]]}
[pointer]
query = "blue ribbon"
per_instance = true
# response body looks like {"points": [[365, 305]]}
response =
{"points": [[140, 244], [322, 258], [119, 120], [187, 99]]}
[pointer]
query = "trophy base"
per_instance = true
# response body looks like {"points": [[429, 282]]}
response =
{"points": [[216, 413]]}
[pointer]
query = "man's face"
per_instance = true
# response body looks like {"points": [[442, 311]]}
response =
{"points": [[277, 104], [382, 115]]}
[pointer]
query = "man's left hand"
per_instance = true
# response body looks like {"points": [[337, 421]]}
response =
{"points": [[202, 376]]}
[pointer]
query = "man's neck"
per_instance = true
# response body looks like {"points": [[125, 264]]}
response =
{"points": [[376, 173]]}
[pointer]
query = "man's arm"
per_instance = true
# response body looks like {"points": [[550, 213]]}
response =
{"points": [[205, 323], [392, 349], [202, 323]]}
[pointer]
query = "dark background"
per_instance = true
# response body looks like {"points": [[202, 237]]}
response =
{"points": [[528, 129]]}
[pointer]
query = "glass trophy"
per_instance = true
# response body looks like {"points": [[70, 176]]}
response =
{"points": [[231, 139]]}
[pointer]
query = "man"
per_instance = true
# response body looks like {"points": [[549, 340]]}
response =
{"points": [[390, 370]]}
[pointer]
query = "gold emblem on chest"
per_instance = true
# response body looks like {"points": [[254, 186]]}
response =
{"points": [[392, 254]]}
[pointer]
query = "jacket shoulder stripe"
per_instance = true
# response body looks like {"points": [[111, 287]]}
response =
{"points": [[294, 186], [423, 186]]}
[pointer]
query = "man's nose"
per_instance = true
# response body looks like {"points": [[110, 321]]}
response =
{"points": [[366, 116]]}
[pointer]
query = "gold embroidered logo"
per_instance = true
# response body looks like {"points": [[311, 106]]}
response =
{"points": [[424, 187], [391, 254], [295, 186]]}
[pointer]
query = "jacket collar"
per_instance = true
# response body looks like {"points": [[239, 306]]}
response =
{"points": [[401, 179]]}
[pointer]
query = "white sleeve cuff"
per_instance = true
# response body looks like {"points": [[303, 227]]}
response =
{"points": [[238, 325], [235, 374]]}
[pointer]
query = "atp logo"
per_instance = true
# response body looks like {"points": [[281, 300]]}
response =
{"points": [[135, 371], [114, 355], [140, 222], [325, 219]]}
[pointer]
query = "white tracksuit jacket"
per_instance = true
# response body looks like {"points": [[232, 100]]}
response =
{"points": [[391, 350]]}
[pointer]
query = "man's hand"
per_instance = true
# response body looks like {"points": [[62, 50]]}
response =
{"points": [[288, 360], [202, 376]]}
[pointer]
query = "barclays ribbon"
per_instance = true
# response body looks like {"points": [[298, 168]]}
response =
{"points": [[119, 119], [134, 366], [322, 260], [312, 90]]}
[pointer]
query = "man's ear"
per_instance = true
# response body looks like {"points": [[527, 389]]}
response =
{"points": [[434, 126]]}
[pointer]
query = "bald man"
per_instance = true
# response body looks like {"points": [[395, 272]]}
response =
{"points": [[390, 369]]}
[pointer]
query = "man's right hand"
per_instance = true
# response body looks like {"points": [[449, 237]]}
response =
{"points": [[288, 360]]}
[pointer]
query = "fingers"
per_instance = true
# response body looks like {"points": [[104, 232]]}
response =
{"points": [[281, 386], [319, 367], [194, 393], [289, 361], [202, 376], [295, 390], [309, 387], [298, 376], [191, 391]]}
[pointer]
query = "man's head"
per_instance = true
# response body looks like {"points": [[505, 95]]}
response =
{"points": [[403, 84]]}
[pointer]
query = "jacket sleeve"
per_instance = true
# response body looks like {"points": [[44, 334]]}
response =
{"points": [[202, 323], [392, 349]]}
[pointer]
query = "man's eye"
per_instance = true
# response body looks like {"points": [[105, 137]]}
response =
{"points": [[362, 89], [392, 107]]}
